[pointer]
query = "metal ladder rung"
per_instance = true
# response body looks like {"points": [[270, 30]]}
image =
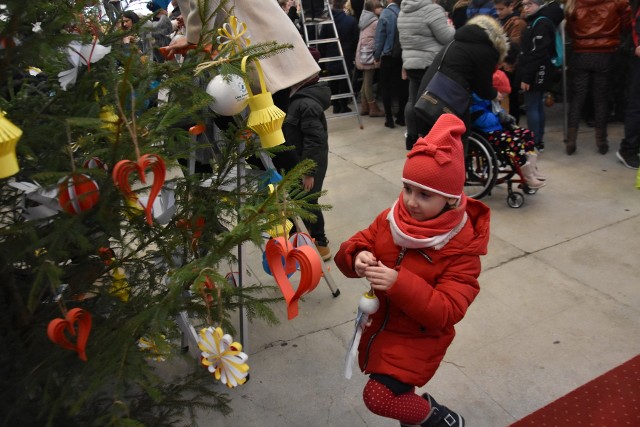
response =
{"points": [[331, 59], [340, 96], [333, 78], [339, 59], [323, 41]]}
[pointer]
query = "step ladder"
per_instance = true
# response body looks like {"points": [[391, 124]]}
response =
{"points": [[312, 27]]}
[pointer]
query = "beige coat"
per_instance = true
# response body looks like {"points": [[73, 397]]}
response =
{"points": [[266, 21]]}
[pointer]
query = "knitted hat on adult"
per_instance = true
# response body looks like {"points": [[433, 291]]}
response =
{"points": [[501, 82], [436, 162]]}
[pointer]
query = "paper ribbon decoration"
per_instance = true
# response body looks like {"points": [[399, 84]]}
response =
{"points": [[80, 54], [223, 357], [148, 345], [94, 163], [119, 285], [77, 193], [164, 206], [265, 118], [109, 118], [310, 270], [234, 35], [9, 136], [45, 200], [77, 323], [367, 305], [124, 168]]}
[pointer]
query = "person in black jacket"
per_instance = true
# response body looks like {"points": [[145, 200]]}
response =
{"points": [[536, 71], [305, 128], [477, 48]]}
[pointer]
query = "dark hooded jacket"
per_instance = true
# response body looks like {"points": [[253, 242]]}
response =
{"points": [[537, 46], [472, 57], [305, 128]]}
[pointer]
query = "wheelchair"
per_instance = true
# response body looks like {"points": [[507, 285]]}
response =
{"points": [[485, 169]]}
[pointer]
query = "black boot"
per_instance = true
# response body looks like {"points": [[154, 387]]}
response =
{"points": [[409, 140], [440, 415], [601, 140]]}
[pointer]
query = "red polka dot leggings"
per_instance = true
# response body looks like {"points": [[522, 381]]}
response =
{"points": [[408, 408]]}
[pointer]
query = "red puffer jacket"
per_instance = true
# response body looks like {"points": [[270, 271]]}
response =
{"points": [[595, 25], [411, 331]]}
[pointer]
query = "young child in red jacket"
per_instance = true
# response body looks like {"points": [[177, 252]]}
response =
{"points": [[422, 258]]}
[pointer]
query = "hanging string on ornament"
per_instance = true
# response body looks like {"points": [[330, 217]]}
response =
{"points": [[77, 193], [367, 305], [124, 168]]}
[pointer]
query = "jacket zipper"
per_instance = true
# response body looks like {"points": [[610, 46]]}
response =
{"points": [[386, 315]]}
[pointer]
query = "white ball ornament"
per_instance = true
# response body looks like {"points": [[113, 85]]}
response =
{"points": [[230, 96], [369, 303]]}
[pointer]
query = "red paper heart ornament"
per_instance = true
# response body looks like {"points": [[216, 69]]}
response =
{"points": [[124, 168], [310, 270], [78, 323]]}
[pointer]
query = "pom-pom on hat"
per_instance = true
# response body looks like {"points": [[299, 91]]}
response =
{"points": [[501, 82], [436, 161]]}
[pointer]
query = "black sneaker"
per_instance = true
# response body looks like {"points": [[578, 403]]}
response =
{"points": [[440, 415], [540, 146], [632, 162]]}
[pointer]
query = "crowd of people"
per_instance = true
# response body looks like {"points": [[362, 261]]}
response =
{"points": [[596, 34]]}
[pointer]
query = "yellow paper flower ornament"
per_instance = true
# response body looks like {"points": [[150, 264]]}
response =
{"points": [[222, 357], [233, 34]]}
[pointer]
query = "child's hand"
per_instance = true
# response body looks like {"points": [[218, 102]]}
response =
{"points": [[381, 277], [308, 182], [363, 260]]}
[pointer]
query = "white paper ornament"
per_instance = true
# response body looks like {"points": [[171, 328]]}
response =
{"points": [[230, 96]]}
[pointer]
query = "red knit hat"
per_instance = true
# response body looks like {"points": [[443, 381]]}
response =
{"points": [[436, 161], [501, 82]]}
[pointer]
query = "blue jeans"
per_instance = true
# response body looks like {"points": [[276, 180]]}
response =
{"points": [[533, 102]]}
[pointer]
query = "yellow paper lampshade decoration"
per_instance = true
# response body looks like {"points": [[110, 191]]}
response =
{"points": [[265, 118], [9, 136]]}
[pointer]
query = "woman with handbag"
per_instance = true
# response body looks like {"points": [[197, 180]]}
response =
{"points": [[424, 30], [364, 57], [463, 67]]}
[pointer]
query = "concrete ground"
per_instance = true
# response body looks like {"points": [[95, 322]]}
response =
{"points": [[559, 305]]}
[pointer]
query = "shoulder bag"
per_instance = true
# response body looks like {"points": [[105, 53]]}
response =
{"points": [[442, 95]]}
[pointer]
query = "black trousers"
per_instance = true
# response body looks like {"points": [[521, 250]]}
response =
{"points": [[590, 70], [392, 85], [630, 144]]}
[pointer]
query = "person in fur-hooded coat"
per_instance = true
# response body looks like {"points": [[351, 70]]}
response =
{"points": [[477, 48]]}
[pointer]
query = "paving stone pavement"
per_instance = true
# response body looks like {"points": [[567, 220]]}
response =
{"points": [[559, 302]]}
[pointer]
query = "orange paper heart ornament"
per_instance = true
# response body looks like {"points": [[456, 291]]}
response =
{"points": [[124, 168], [78, 324], [310, 270]]}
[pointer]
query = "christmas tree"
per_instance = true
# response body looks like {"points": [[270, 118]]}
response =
{"points": [[85, 262]]}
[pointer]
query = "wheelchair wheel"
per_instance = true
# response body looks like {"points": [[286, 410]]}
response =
{"points": [[515, 200], [481, 167]]}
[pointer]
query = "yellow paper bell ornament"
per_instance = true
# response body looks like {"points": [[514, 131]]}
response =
{"points": [[265, 118], [109, 118], [9, 136]]}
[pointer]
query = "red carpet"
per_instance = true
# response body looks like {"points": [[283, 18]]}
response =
{"points": [[612, 399]]}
